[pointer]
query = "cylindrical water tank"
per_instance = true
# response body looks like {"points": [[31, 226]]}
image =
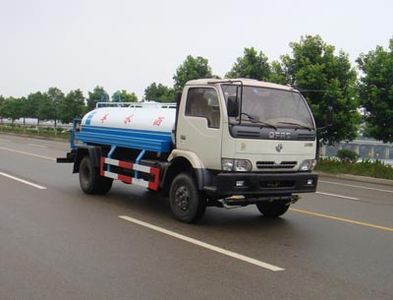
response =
{"points": [[148, 116], [146, 126]]}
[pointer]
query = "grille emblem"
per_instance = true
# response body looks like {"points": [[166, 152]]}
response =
{"points": [[279, 147]]}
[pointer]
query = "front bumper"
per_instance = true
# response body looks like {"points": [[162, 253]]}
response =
{"points": [[251, 185]]}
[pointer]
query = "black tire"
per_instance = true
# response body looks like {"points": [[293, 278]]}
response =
{"points": [[90, 180], [187, 203], [273, 209]]}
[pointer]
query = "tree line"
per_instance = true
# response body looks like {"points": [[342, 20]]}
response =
{"points": [[55, 105], [326, 79]]}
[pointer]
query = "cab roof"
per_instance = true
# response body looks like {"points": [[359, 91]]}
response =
{"points": [[245, 81]]}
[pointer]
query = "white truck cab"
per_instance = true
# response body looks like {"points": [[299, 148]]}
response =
{"points": [[248, 142]]}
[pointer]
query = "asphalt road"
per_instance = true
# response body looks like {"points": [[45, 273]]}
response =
{"points": [[57, 243]]}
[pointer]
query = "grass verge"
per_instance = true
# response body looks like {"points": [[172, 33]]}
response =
{"points": [[35, 131], [368, 168]]}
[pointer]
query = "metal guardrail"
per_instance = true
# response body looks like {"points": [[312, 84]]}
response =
{"points": [[365, 148], [30, 124]]}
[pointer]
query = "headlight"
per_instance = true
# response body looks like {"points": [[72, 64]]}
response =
{"points": [[242, 165], [307, 165], [227, 164], [237, 165]]}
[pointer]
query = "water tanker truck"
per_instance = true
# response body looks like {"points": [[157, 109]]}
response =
{"points": [[224, 143]]}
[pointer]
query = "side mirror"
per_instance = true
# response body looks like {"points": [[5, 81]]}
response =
{"points": [[232, 106]]}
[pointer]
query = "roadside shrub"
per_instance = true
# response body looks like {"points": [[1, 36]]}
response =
{"points": [[36, 131], [348, 156], [366, 167]]}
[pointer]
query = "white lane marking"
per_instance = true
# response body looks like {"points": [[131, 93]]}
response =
{"points": [[204, 245], [39, 146], [27, 153], [338, 196], [23, 181], [356, 186]]}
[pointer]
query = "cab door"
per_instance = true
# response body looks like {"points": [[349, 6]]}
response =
{"points": [[199, 127]]}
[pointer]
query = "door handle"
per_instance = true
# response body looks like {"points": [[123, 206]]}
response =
{"points": [[183, 137]]}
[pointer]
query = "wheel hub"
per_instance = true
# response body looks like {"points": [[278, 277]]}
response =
{"points": [[182, 198]]}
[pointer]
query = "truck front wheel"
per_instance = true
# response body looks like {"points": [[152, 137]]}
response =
{"points": [[187, 203], [273, 209], [90, 180]]}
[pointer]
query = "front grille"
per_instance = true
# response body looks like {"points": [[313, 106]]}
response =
{"points": [[248, 134], [273, 165]]}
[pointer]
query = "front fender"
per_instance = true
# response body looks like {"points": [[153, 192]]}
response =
{"points": [[194, 160], [202, 175]]}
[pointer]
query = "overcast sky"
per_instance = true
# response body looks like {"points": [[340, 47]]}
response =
{"points": [[127, 44]]}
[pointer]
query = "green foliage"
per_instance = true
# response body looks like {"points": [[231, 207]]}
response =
{"points": [[55, 96], [97, 95], [314, 68], [124, 96], [376, 91], [33, 104], [24, 108], [43, 106], [277, 74], [348, 156], [191, 68], [1, 102], [364, 168], [159, 92], [71, 106], [46, 108], [52, 105], [251, 65], [12, 108]]}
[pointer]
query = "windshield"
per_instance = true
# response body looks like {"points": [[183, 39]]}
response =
{"points": [[278, 108]]}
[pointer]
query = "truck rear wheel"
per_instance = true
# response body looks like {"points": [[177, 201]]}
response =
{"points": [[187, 203], [273, 209], [90, 180]]}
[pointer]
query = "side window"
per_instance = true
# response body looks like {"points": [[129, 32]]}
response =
{"points": [[203, 102]]}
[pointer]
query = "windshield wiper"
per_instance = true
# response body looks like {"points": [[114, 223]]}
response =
{"points": [[253, 119], [296, 124]]}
